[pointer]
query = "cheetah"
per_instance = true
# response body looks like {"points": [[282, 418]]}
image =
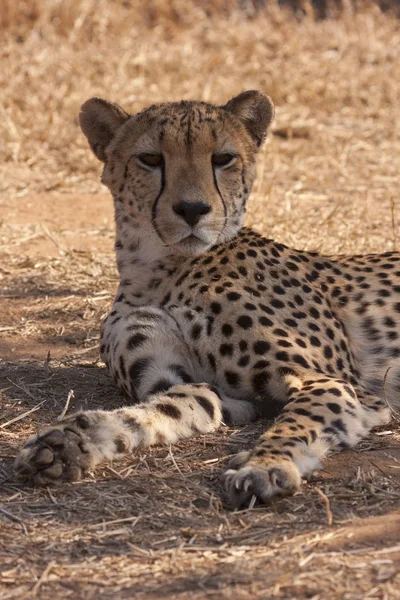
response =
{"points": [[213, 323]]}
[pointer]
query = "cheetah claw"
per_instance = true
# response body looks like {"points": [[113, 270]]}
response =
{"points": [[264, 483]]}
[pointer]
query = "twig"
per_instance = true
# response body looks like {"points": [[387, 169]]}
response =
{"points": [[21, 387], [10, 516], [85, 350], [174, 461], [66, 407], [324, 497], [52, 237], [381, 470], [43, 577], [104, 523], [25, 414]]}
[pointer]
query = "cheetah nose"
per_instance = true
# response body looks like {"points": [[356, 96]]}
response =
{"points": [[191, 212]]}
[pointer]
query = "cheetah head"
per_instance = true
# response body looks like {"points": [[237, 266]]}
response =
{"points": [[180, 173]]}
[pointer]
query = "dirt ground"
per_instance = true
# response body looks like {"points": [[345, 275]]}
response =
{"points": [[158, 526]]}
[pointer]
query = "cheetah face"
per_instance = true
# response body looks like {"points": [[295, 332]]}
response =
{"points": [[180, 172]]}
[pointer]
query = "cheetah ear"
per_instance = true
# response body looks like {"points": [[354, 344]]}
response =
{"points": [[255, 111], [99, 121]]}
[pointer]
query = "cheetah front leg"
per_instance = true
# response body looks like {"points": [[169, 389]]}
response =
{"points": [[74, 447], [322, 414]]}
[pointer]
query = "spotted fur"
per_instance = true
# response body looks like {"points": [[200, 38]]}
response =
{"points": [[214, 323]]}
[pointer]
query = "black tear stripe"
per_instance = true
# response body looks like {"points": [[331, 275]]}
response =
{"points": [[155, 203], [222, 198]]}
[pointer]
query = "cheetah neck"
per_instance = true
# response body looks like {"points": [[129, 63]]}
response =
{"points": [[144, 264]]}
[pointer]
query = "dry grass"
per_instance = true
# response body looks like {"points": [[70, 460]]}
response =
{"points": [[157, 526]]}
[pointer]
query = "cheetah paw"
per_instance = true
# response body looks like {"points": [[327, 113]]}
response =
{"points": [[59, 454], [263, 482]]}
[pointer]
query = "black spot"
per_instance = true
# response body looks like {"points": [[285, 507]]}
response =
{"points": [[245, 321], [301, 411], [196, 331], [260, 381], [226, 349], [301, 343], [211, 360], [318, 392], [333, 407], [252, 291], [290, 322], [232, 378], [227, 329], [233, 275], [233, 296], [267, 309], [277, 303], [280, 332], [162, 385], [206, 405], [338, 424], [284, 344], [300, 360], [169, 410], [265, 321], [244, 360], [278, 290], [335, 392], [261, 364], [250, 306], [136, 340], [317, 418], [179, 370], [216, 307], [389, 322], [122, 366], [137, 370], [166, 298], [261, 347]]}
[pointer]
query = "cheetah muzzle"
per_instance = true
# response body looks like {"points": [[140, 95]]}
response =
{"points": [[212, 323]]}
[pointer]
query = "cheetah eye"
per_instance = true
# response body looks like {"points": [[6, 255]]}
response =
{"points": [[222, 160], [152, 161]]}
